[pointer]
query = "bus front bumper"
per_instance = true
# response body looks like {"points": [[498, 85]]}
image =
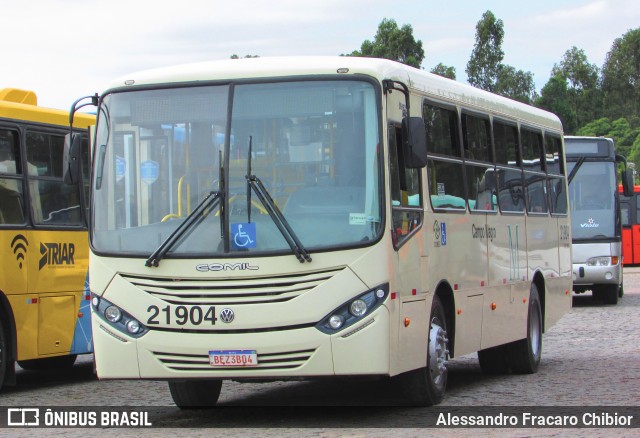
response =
{"points": [[362, 349], [585, 275]]}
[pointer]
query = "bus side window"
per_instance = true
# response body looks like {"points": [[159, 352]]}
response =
{"points": [[405, 189], [52, 201], [11, 204]]}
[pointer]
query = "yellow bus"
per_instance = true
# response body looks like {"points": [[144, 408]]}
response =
{"points": [[287, 218], [44, 301]]}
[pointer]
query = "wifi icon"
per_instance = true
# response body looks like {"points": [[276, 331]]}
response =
{"points": [[19, 245]]}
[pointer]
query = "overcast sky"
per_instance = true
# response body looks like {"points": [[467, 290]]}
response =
{"points": [[66, 49]]}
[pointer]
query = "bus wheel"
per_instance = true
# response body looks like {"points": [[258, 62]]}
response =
{"points": [[494, 360], [49, 363], [524, 355], [426, 386], [193, 394], [610, 293], [3, 355]]}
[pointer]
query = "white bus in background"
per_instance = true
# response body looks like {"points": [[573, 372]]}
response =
{"points": [[595, 214], [279, 218]]}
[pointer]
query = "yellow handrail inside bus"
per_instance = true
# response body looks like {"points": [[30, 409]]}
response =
{"points": [[179, 214]]}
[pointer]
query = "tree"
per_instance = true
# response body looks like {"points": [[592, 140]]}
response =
{"points": [[234, 56], [621, 77], [391, 42], [484, 65], [485, 69], [515, 84], [444, 70], [583, 90], [554, 97], [624, 136]]}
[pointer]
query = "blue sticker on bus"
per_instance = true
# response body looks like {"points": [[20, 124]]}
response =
{"points": [[244, 235], [443, 234], [149, 170]]}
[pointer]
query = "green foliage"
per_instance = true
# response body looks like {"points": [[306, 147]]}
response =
{"points": [[598, 128], [583, 92], [391, 42], [485, 69], [621, 77], [554, 97], [516, 84], [625, 137], [484, 65], [444, 70]]}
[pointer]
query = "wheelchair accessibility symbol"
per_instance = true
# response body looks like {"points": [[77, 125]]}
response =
{"points": [[244, 235]]}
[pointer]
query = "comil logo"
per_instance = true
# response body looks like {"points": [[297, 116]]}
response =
{"points": [[19, 246], [56, 254]]}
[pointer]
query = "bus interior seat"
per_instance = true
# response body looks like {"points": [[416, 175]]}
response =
{"points": [[11, 211]]}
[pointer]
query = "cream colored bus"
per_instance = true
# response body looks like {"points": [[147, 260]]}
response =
{"points": [[278, 218]]}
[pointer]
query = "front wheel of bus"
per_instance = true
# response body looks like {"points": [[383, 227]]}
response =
{"points": [[426, 386], [193, 394], [3, 355], [524, 355]]}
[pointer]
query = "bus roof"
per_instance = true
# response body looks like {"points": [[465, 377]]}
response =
{"points": [[437, 87], [22, 105]]}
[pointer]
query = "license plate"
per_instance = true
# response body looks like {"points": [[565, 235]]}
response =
{"points": [[233, 358]]}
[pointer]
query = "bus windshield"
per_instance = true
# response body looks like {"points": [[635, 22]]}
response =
{"points": [[314, 145], [592, 194]]}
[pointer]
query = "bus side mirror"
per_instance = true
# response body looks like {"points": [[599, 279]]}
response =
{"points": [[627, 182], [415, 144], [71, 158]]}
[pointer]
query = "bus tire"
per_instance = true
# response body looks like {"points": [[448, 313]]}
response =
{"points": [[49, 363], [426, 386], [524, 355], [610, 293], [494, 360], [4, 356], [193, 394]]}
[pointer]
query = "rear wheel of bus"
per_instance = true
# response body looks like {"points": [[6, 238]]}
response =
{"points": [[607, 293], [524, 355], [3, 355], [193, 394], [426, 386]]}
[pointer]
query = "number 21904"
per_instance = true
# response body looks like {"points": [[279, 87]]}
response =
{"points": [[181, 315]]}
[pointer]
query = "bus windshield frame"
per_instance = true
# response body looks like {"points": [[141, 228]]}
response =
{"points": [[315, 145]]}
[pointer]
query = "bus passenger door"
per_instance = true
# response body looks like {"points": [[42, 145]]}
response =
{"points": [[409, 261]]}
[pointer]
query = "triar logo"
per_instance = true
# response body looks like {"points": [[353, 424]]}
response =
{"points": [[56, 254]]}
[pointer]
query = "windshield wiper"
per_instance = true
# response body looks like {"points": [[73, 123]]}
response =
{"points": [[206, 206], [253, 182], [573, 172]]}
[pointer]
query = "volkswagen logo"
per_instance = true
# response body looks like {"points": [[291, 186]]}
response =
{"points": [[227, 315]]}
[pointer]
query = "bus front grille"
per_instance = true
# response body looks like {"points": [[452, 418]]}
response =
{"points": [[269, 361], [211, 291]]}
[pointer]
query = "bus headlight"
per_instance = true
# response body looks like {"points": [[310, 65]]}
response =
{"points": [[353, 310], [336, 321], [117, 318], [113, 314], [601, 261], [358, 307]]}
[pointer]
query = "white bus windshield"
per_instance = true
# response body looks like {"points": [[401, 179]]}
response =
{"points": [[592, 193], [315, 147]]}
